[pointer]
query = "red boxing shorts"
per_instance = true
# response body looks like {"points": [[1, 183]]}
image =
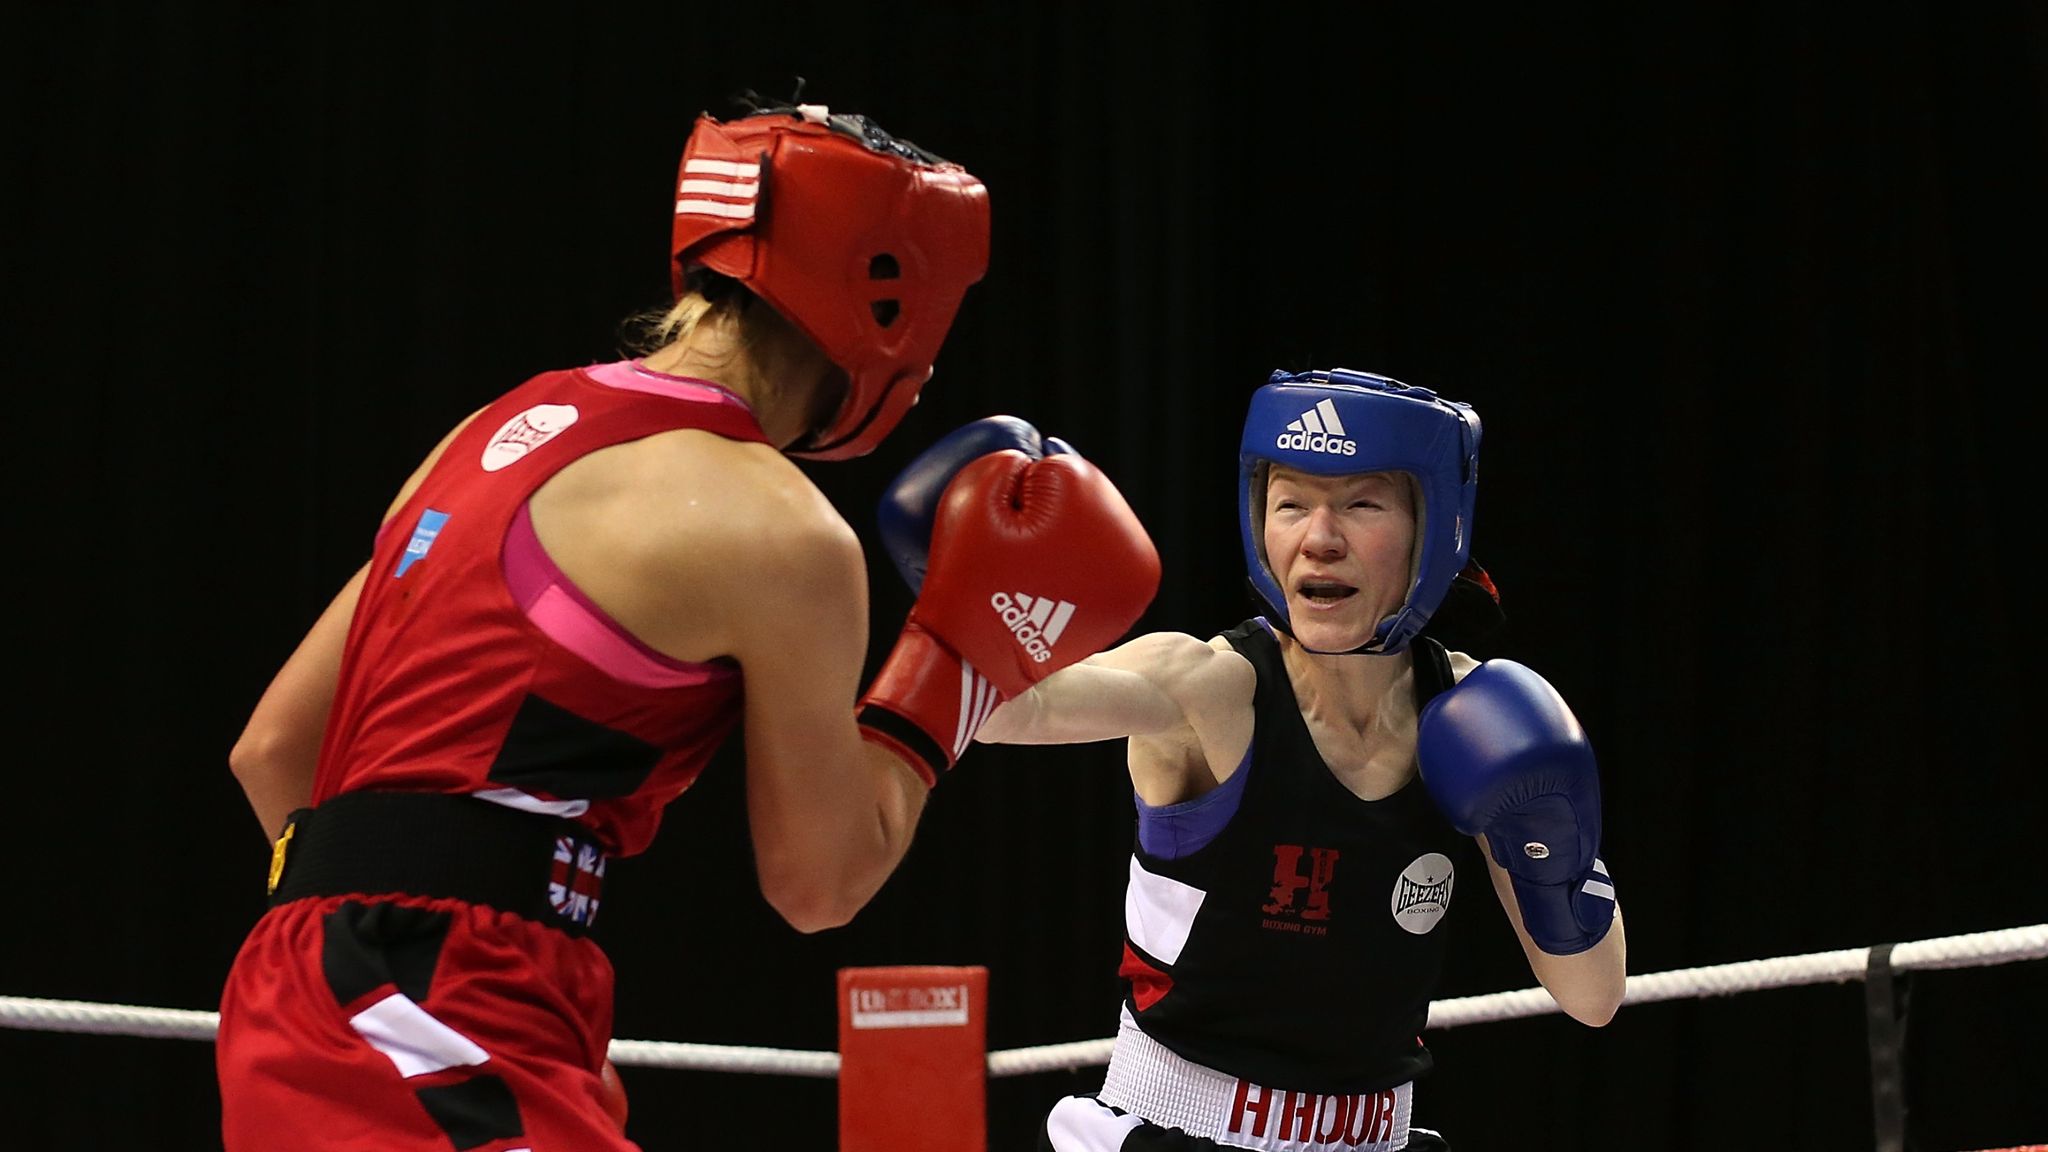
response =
{"points": [[400, 1023], [473, 1013]]}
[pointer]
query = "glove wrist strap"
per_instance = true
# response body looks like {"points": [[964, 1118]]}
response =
{"points": [[926, 703], [878, 725], [1565, 919]]}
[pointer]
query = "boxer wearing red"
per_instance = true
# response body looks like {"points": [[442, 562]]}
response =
{"points": [[574, 600]]}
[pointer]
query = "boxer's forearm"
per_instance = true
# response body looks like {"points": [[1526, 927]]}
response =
{"points": [[1080, 704], [1587, 985], [278, 751]]}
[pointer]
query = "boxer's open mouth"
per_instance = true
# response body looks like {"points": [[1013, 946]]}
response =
{"points": [[1325, 591]]}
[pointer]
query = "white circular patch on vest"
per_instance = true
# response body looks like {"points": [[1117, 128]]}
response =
{"points": [[1422, 894], [527, 431]]}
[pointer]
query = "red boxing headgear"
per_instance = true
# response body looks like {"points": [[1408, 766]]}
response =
{"points": [[866, 243]]}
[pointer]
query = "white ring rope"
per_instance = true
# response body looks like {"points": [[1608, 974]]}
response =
{"points": [[1979, 949]]}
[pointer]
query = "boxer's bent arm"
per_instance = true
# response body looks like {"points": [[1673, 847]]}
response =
{"points": [[1587, 985], [831, 814], [278, 752]]}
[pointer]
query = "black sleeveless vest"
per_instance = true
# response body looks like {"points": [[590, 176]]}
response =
{"points": [[1312, 959]]}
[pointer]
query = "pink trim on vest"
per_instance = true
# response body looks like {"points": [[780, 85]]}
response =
{"points": [[569, 618], [632, 376]]}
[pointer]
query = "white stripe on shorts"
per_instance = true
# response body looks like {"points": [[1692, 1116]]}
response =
{"points": [[1080, 1124], [415, 1041]]}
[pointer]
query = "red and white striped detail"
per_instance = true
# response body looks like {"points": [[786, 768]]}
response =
{"points": [[724, 189], [978, 700]]}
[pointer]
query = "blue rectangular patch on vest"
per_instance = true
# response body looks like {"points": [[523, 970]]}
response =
{"points": [[423, 535]]}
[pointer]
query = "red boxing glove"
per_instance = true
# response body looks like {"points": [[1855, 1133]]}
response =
{"points": [[1035, 564]]}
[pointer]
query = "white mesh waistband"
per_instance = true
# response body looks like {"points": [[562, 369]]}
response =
{"points": [[1146, 1079]]}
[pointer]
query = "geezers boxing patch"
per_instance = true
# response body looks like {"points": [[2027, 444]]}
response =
{"points": [[1422, 893], [525, 432]]}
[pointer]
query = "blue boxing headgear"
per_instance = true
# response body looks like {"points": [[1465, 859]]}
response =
{"points": [[1341, 422]]}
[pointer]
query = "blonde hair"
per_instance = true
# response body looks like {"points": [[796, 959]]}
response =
{"points": [[644, 333], [705, 294], [756, 327]]}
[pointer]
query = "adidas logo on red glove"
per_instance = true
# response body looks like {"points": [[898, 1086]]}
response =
{"points": [[1037, 624], [990, 508]]}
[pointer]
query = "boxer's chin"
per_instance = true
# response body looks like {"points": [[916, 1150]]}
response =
{"points": [[1325, 627]]}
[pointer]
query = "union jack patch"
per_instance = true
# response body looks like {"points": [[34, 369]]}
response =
{"points": [[576, 879]]}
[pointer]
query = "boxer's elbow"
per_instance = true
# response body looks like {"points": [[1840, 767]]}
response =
{"points": [[1588, 987], [812, 893], [819, 868], [808, 904], [276, 776], [811, 916], [1594, 1010], [257, 757]]}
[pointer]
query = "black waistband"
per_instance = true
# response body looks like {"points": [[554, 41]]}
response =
{"points": [[442, 846]]}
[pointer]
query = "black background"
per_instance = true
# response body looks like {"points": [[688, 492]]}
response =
{"points": [[1749, 296]]}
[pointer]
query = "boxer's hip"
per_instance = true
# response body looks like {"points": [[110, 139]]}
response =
{"points": [[1148, 1080]]}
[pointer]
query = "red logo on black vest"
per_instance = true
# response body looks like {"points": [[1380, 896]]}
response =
{"points": [[1300, 898]]}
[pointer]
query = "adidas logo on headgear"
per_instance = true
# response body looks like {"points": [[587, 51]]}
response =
{"points": [[1036, 621], [1317, 430]]}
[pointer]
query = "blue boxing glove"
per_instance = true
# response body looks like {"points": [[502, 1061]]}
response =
{"points": [[1503, 756], [911, 501]]}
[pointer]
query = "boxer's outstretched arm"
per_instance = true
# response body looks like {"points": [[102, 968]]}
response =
{"points": [[1152, 685], [985, 525], [1185, 705]]}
